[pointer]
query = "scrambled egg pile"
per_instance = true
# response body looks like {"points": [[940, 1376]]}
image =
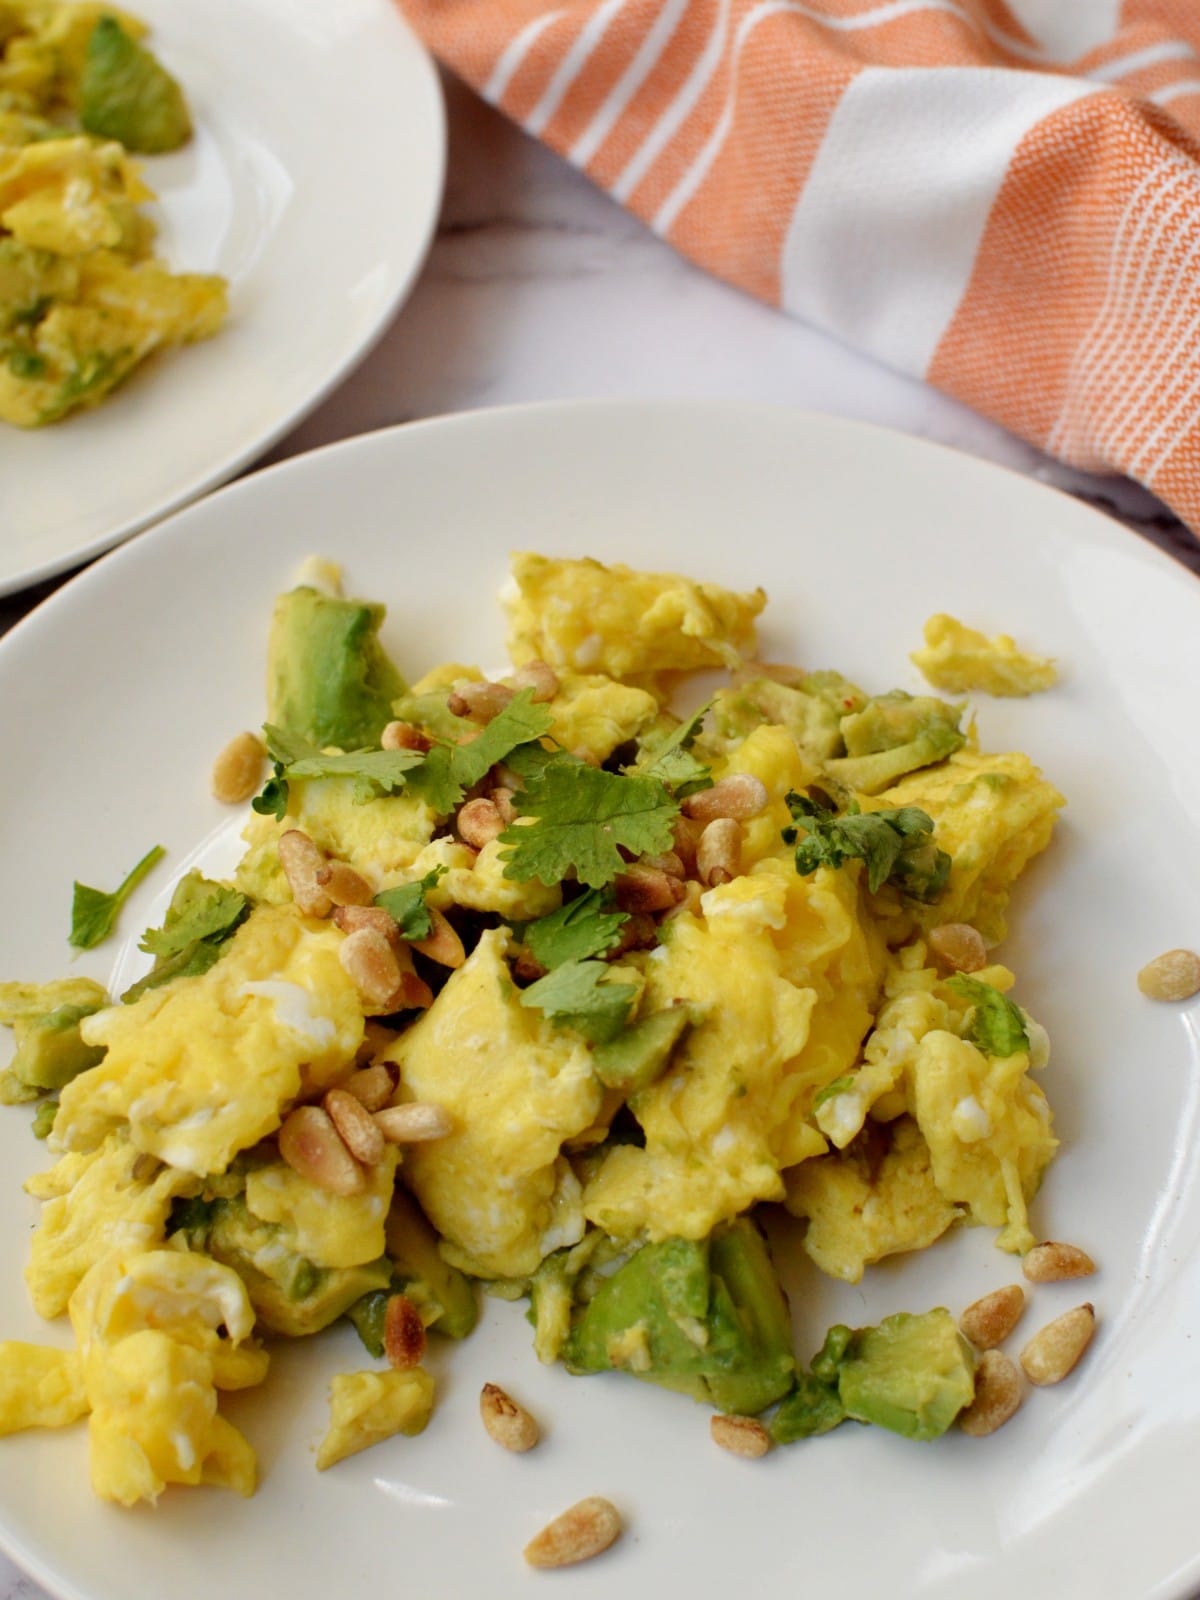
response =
{"points": [[83, 300], [642, 975]]}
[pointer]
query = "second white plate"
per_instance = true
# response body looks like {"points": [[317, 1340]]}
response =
{"points": [[313, 184]]}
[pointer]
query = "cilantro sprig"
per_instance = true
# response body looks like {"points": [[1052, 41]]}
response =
{"points": [[94, 912], [582, 816], [407, 904], [200, 922], [448, 771], [673, 762], [579, 995], [583, 927], [996, 1026], [896, 845]]}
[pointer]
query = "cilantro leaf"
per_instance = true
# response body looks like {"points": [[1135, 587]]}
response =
{"points": [[997, 1026], [581, 928], [673, 762], [896, 845], [374, 771], [581, 816], [448, 771], [94, 913], [577, 996], [407, 904], [531, 760], [197, 929], [273, 801]]}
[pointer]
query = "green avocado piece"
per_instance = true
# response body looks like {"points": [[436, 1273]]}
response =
{"points": [[431, 713], [812, 1408], [329, 679], [289, 1294], [50, 1051], [911, 1374], [809, 718], [638, 1056], [894, 734], [424, 1276], [125, 94], [706, 1318]]}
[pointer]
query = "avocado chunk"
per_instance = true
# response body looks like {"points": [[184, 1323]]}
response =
{"points": [[431, 712], [444, 1295], [50, 1051], [809, 718], [894, 734], [911, 1374], [811, 1409], [706, 1318], [638, 1056], [329, 679], [125, 94]]}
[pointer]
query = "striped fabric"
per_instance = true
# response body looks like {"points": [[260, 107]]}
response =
{"points": [[1000, 198]]}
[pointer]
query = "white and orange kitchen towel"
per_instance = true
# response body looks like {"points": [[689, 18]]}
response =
{"points": [[1000, 198]]}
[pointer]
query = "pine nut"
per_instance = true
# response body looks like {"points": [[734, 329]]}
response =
{"points": [[237, 771], [344, 886], [403, 1334], [1051, 1263], [480, 701], [669, 862], [312, 1146], [508, 1423], [687, 841], [414, 1123], [997, 1395], [479, 822], [502, 798], [526, 967], [959, 946], [372, 962], [644, 889], [989, 1320], [718, 858], [538, 676], [740, 796], [356, 1126], [350, 919], [301, 860], [1173, 976], [578, 1534], [373, 1087], [1051, 1354], [442, 945], [639, 932], [403, 736], [741, 1436]]}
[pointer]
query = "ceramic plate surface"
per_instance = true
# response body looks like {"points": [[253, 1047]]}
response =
{"points": [[114, 698], [312, 184]]}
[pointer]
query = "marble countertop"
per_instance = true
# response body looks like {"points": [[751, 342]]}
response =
{"points": [[538, 287]]}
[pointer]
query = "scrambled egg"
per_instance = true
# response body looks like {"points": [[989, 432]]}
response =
{"points": [[83, 300], [959, 659], [777, 1030]]}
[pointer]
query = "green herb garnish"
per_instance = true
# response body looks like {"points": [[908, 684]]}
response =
{"points": [[94, 913]]}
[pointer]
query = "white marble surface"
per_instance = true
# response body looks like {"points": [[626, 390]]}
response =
{"points": [[538, 287]]}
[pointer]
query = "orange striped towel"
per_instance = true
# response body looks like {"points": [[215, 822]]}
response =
{"points": [[1000, 198]]}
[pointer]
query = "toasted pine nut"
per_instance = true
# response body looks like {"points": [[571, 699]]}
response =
{"points": [[642, 888], [375, 1040], [403, 1333], [372, 962], [639, 932], [741, 1436], [237, 771], [356, 1126], [344, 886], [687, 840], [1052, 1353], [959, 946], [301, 860], [312, 1146], [414, 1123], [507, 1422], [526, 967], [502, 798], [1173, 976], [350, 919], [740, 796], [373, 1087], [403, 736], [989, 1320], [997, 1395], [718, 858], [1051, 1263], [442, 945], [578, 1534], [538, 676], [669, 862], [480, 701], [479, 822]]}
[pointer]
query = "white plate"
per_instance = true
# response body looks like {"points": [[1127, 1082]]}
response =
{"points": [[312, 183], [115, 696]]}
